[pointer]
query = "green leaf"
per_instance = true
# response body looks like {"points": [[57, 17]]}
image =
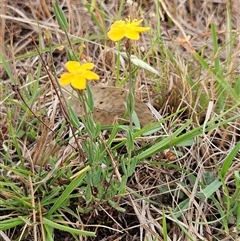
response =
{"points": [[225, 86], [71, 55], [61, 18], [237, 86], [11, 223], [70, 188], [211, 188], [113, 134], [73, 118], [170, 140], [88, 194], [140, 63], [55, 225], [131, 166], [135, 119], [116, 206], [229, 159], [130, 140], [7, 68]]}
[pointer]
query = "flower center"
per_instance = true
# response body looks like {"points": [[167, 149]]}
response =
{"points": [[130, 25], [79, 72]]}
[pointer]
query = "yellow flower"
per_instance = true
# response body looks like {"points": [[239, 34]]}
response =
{"points": [[129, 29], [78, 74]]}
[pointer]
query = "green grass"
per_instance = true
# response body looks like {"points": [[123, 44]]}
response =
{"points": [[65, 176]]}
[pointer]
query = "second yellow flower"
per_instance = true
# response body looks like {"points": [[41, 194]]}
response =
{"points": [[129, 29]]}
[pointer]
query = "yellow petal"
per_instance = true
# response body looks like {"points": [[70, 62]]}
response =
{"points": [[87, 66], [132, 35], [91, 75], [115, 35], [141, 29], [79, 83], [66, 78], [117, 25], [72, 66]]}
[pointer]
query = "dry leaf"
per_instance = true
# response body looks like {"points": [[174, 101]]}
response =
{"points": [[108, 104]]}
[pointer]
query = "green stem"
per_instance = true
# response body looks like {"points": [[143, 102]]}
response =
{"points": [[82, 100], [118, 64], [130, 99]]}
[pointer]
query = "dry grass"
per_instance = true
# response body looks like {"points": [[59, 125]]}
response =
{"points": [[159, 185]]}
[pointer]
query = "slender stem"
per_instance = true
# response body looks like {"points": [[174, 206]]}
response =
{"points": [[82, 100], [87, 116], [130, 98], [118, 64]]}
